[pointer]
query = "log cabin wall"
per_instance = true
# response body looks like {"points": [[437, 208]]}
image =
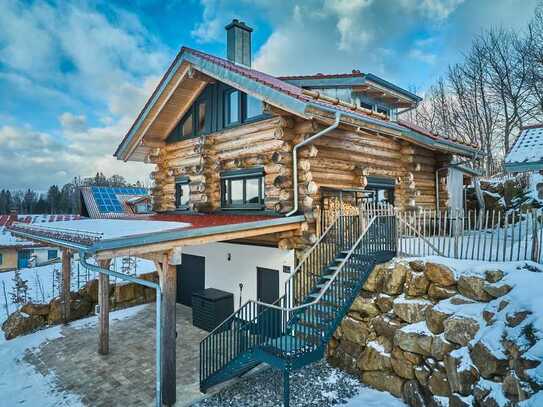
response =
{"points": [[341, 159]]}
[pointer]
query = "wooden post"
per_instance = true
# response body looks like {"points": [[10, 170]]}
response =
{"points": [[169, 290], [103, 302], [66, 274]]}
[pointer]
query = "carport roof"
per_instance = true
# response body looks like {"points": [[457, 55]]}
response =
{"points": [[158, 232]]}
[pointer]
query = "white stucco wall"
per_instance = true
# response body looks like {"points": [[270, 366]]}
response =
{"points": [[244, 259]]}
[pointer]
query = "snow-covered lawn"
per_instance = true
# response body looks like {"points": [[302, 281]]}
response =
{"points": [[20, 384], [43, 282]]}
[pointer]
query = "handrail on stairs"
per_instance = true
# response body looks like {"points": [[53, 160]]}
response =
{"points": [[296, 269], [305, 305]]}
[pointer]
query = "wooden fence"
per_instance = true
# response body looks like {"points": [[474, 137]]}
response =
{"points": [[472, 235]]}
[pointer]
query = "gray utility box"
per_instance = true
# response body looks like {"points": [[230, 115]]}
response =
{"points": [[210, 307]]}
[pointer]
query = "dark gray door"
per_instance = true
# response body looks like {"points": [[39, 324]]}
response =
{"points": [[190, 277], [267, 290], [267, 285]]}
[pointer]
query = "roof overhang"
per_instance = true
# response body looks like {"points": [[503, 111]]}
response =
{"points": [[168, 104], [395, 130], [524, 166], [161, 241]]}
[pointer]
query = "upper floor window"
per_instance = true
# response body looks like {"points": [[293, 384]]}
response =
{"points": [[182, 192], [242, 189], [232, 107], [255, 107]]}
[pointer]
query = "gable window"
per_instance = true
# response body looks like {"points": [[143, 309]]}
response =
{"points": [[242, 189], [187, 128], [182, 192], [232, 107], [254, 107]]}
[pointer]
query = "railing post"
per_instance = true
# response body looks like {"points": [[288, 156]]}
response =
{"points": [[535, 237]]}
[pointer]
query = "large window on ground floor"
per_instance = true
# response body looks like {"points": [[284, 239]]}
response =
{"points": [[242, 189]]}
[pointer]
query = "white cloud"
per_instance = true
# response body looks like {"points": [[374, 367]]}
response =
{"points": [[93, 65], [72, 122], [423, 56]]}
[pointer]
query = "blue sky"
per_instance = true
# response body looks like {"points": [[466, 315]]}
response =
{"points": [[74, 74]]}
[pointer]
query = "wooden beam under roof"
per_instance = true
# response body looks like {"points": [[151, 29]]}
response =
{"points": [[146, 250]]}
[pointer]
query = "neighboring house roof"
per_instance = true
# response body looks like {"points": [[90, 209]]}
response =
{"points": [[8, 240], [526, 154], [109, 202], [284, 95]]}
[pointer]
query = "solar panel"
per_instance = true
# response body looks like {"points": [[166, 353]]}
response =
{"points": [[106, 199]]}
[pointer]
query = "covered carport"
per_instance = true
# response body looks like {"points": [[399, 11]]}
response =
{"points": [[159, 238]]}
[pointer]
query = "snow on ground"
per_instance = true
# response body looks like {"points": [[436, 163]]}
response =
{"points": [[43, 282], [526, 280], [112, 228], [21, 384]]}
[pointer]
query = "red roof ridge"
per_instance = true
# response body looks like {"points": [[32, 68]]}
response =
{"points": [[354, 74]]}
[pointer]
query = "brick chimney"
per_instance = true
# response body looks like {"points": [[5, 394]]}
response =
{"points": [[238, 42]]}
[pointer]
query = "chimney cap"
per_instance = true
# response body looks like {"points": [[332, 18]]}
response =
{"points": [[241, 24]]}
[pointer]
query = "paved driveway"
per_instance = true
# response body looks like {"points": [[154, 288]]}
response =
{"points": [[125, 377]]}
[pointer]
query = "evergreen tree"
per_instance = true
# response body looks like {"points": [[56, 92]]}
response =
{"points": [[19, 292]]}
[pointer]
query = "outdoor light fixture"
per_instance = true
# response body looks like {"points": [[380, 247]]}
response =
{"points": [[229, 256]]}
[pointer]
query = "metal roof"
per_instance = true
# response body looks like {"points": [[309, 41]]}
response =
{"points": [[526, 154], [200, 225], [278, 93]]}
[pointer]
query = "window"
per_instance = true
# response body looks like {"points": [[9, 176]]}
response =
{"points": [[254, 107], [182, 192], [1, 258], [142, 207], [201, 117], [232, 107], [186, 130], [51, 254], [380, 189], [242, 189]]}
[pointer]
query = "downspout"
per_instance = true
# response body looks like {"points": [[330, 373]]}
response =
{"points": [[295, 158], [158, 337]]}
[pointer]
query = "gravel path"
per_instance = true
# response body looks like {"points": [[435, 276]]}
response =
{"points": [[316, 385]]}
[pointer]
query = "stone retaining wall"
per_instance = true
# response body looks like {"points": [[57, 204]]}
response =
{"points": [[34, 316], [424, 333]]}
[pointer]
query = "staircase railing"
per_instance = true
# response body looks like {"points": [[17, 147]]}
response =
{"points": [[258, 324]]}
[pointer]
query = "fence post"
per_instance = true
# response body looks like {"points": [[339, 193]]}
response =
{"points": [[5, 299], [455, 233], [535, 237]]}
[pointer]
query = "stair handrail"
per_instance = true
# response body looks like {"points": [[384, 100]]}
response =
{"points": [[328, 284], [312, 248]]}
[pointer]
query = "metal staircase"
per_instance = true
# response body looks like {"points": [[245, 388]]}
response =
{"points": [[295, 330]]}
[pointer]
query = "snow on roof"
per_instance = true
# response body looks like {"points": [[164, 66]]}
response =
{"points": [[8, 240], [527, 152], [103, 229]]}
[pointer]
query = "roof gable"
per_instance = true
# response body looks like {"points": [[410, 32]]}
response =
{"points": [[270, 89]]}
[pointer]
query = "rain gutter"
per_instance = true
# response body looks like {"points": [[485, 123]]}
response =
{"points": [[295, 158]]}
